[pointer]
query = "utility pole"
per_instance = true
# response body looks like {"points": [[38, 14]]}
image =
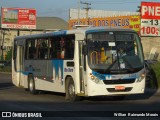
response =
{"points": [[2, 47], [87, 9], [79, 11]]}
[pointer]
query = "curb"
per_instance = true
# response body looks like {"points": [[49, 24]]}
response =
{"points": [[158, 91]]}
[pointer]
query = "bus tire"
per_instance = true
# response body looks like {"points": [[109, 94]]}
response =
{"points": [[70, 90], [31, 85]]}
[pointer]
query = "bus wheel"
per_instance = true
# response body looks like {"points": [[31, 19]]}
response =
{"points": [[70, 91], [31, 85]]}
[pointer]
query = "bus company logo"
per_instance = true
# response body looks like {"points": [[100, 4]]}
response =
{"points": [[68, 70], [17, 114], [108, 77], [6, 114]]}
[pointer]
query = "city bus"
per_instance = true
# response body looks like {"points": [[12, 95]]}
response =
{"points": [[90, 61]]}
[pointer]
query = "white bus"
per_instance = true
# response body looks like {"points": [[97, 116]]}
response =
{"points": [[81, 62]]}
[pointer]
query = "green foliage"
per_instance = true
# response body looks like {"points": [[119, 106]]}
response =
{"points": [[6, 69], [156, 71], [9, 55], [8, 58], [139, 9]]}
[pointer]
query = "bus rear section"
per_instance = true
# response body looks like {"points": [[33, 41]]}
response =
{"points": [[18, 62]]}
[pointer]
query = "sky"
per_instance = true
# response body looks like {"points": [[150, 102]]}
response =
{"points": [[60, 8]]}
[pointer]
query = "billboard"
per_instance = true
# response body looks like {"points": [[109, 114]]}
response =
{"points": [[150, 18], [132, 22], [81, 13], [18, 18]]}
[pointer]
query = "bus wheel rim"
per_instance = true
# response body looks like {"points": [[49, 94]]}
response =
{"points": [[71, 90], [31, 85]]}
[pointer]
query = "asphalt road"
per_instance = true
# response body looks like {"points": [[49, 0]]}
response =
{"points": [[17, 99]]}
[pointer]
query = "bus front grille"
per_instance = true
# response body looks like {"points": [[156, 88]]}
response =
{"points": [[120, 81]]}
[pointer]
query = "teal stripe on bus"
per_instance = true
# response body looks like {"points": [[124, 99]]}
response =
{"points": [[58, 33]]}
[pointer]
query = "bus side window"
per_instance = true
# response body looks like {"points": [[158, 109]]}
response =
{"points": [[62, 47], [43, 50], [52, 49], [69, 48], [37, 48], [32, 50]]}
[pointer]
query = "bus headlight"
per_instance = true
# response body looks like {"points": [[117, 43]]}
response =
{"points": [[142, 76], [92, 77], [95, 79]]}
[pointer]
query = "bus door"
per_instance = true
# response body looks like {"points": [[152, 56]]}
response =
{"points": [[82, 68], [20, 64]]}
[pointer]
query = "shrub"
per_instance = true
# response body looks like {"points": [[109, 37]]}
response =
{"points": [[6, 69], [9, 55], [155, 68]]}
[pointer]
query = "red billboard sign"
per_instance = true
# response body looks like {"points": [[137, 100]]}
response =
{"points": [[150, 19], [18, 18]]}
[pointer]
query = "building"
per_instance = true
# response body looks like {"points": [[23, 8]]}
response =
{"points": [[43, 24]]}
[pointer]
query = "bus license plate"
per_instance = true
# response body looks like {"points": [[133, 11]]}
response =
{"points": [[119, 88]]}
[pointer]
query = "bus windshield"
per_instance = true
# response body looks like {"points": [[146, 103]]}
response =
{"points": [[115, 52]]}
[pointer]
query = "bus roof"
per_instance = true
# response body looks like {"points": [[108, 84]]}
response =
{"points": [[74, 31]]}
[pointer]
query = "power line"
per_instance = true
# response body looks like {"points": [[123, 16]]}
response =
{"points": [[113, 2]]}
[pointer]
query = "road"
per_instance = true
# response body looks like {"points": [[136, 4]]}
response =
{"points": [[17, 99]]}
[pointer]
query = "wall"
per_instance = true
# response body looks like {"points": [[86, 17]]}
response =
{"points": [[149, 43]]}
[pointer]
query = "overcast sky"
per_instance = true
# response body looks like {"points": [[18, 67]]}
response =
{"points": [[60, 8]]}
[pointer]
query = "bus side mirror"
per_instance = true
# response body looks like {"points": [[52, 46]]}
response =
{"points": [[84, 49]]}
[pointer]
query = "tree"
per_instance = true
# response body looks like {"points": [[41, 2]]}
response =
{"points": [[139, 9], [8, 55]]}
